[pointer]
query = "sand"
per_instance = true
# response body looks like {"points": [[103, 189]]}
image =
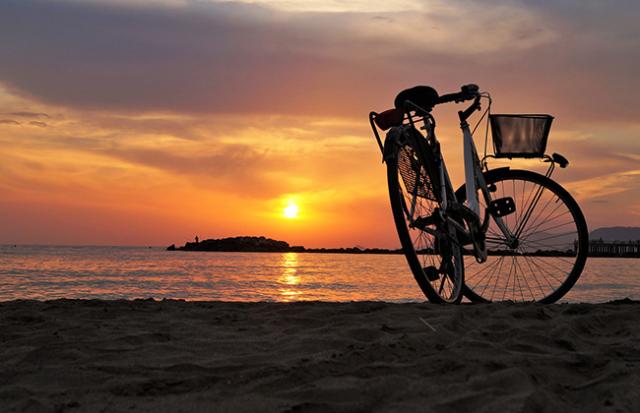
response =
{"points": [[143, 355]]}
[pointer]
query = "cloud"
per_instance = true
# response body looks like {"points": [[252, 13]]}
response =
{"points": [[30, 114], [231, 57], [38, 124], [233, 162], [339, 6], [261, 158], [9, 122], [606, 186]]}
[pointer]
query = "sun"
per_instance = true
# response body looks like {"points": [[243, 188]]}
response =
{"points": [[291, 211]]}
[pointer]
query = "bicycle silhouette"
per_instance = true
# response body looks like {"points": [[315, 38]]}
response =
{"points": [[506, 234]]}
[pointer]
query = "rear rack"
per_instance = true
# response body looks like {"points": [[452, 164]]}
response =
{"points": [[412, 115], [372, 117]]}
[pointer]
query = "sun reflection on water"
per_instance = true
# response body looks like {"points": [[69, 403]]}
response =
{"points": [[289, 277]]}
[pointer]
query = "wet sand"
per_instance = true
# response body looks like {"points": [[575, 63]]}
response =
{"points": [[143, 355]]}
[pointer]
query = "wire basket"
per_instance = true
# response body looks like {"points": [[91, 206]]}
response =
{"points": [[414, 174], [520, 136]]}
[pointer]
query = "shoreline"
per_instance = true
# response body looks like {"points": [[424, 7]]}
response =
{"points": [[328, 251], [367, 251], [174, 355]]}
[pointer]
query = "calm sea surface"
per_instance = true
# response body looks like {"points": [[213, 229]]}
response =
{"points": [[48, 272]]}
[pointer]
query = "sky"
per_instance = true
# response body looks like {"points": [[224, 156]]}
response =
{"points": [[147, 123]]}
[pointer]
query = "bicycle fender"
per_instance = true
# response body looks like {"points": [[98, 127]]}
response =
{"points": [[391, 143], [460, 192]]}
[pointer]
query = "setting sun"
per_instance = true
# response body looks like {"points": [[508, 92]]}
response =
{"points": [[291, 211]]}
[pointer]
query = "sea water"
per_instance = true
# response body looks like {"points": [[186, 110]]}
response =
{"points": [[50, 272]]}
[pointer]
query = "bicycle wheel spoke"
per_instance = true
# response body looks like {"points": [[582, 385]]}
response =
{"points": [[537, 221], [494, 233], [545, 260], [497, 278], [535, 276], [535, 226], [408, 177], [524, 277], [487, 271], [532, 220], [525, 218], [508, 278], [555, 236], [513, 186], [542, 254], [524, 186], [550, 228], [443, 279], [544, 274], [496, 271]]}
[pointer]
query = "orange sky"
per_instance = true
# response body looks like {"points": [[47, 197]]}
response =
{"points": [[149, 123]]}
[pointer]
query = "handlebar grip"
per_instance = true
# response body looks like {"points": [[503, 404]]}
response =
{"points": [[467, 92], [470, 90], [450, 97]]}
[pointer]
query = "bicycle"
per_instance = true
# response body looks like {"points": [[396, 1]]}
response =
{"points": [[505, 234]]}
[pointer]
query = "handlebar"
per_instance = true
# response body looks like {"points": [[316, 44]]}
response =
{"points": [[421, 100], [467, 92]]}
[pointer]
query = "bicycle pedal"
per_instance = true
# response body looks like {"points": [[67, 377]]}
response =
{"points": [[432, 273], [502, 206]]}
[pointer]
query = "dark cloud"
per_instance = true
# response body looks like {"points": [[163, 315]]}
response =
{"points": [[38, 124], [559, 57], [40, 115], [230, 160], [9, 122], [220, 58]]}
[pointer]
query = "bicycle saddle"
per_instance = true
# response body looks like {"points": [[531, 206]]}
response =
{"points": [[424, 96]]}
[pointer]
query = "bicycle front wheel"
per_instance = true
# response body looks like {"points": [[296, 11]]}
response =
{"points": [[548, 250], [433, 255]]}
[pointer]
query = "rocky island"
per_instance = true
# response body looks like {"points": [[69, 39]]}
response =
{"points": [[263, 244]]}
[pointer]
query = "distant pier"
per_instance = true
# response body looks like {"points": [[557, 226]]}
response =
{"points": [[600, 248]]}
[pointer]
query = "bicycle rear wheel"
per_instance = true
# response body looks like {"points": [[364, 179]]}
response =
{"points": [[435, 259], [550, 247]]}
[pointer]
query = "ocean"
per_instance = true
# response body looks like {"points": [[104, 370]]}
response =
{"points": [[50, 272]]}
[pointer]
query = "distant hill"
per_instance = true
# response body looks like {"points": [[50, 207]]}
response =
{"points": [[244, 244], [263, 244], [616, 234]]}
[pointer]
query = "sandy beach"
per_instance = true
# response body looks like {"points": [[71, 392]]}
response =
{"points": [[145, 355]]}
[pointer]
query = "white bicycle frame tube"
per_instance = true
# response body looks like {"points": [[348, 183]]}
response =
{"points": [[470, 166], [474, 178]]}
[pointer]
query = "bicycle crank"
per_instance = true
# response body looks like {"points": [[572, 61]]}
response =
{"points": [[476, 229]]}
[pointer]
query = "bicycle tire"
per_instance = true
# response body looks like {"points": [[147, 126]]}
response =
{"points": [[448, 265], [559, 272]]}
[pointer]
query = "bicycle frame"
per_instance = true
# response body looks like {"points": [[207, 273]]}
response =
{"points": [[474, 177], [474, 180]]}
